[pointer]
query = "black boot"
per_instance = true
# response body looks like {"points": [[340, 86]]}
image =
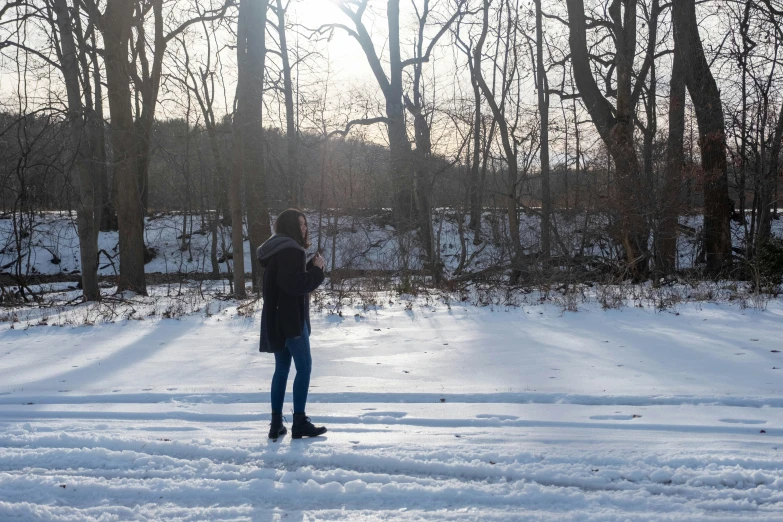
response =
{"points": [[304, 428], [276, 428]]}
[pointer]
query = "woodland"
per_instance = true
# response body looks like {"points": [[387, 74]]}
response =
{"points": [[630, 123]]}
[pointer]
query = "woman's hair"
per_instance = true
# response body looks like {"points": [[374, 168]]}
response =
{"points": [[288, 223]]}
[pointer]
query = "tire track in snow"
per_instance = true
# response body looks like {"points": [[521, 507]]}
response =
{"points": [[173, 463], [331, 489], [194, 476]]}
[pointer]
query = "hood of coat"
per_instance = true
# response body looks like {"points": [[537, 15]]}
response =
{"points": [[275, 244]]}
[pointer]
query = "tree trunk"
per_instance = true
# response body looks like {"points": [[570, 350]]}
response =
{"points": [[670, 195], [767, 192], [422, 188], [86, 218], [292, 138], [543, 110], [399, 146], [235, 184], [712, 136], [108, 216], [475, 187], [149, 87], [96, 136], [577, 164], [116, 29], [249, 107]]}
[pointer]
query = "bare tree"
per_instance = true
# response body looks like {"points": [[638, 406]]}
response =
{"points": [[115, 25], [422, 155], [410, 201], [292, 133], [712, 135], [615, 124], [201, 84], [81, 118], [770, 165], [497, 102], [542, 87], [666, 244], [248, 128]]}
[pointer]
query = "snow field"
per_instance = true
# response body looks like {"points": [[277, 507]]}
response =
{"points": [[173, 472], [434, 413]]}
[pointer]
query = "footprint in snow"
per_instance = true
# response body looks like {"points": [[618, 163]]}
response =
{"points": [[395, 414], [743, 421], [495, 416]]}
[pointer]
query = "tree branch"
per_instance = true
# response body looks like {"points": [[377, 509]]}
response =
{"points": [[216, 14], [363, 37], [332, 27], [361, 121], [563, 95], [434, 41], [599, 107], [9, 5], [650, 57], [9, 43]]}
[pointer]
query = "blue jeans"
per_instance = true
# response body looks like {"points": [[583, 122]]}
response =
{"points": [[298, 349]]}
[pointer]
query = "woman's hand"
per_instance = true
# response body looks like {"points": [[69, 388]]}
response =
{"points": [[318, 261]]}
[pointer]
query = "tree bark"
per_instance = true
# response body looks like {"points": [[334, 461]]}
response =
{"points": [[80, 143], [543, 110], [767, 192], [712, 136], [670, 195], [249, 108], [108, 216], [148, 87], [235, 184], [399, 146], [422, 159], [475, 187], [115, 25], [292, 137]]}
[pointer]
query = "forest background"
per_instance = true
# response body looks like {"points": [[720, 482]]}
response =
{"points": [[574, 140]]}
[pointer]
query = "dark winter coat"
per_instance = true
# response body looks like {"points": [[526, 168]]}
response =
{"points": [[288, 281]]}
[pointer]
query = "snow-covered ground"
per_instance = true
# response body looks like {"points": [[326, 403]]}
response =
{"points": [[435, 412]]}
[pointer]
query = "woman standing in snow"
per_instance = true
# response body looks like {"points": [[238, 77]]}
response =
{"points": [[285, 316]]}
